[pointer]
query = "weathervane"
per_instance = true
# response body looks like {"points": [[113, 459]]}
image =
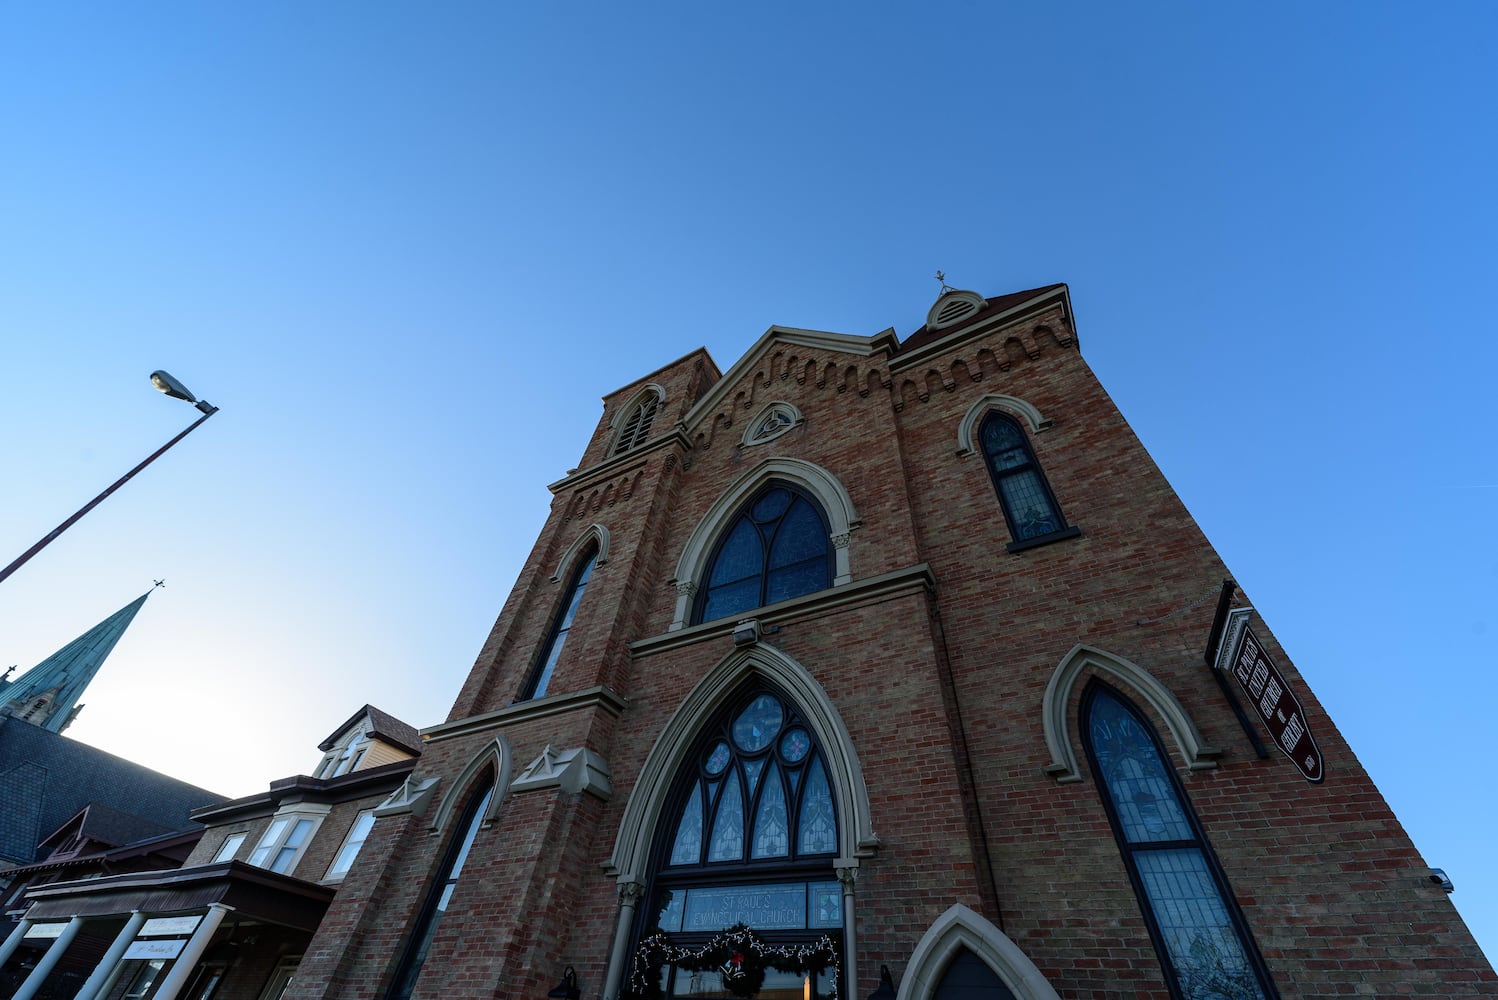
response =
{"points": [[945, 288], [160, 583]]}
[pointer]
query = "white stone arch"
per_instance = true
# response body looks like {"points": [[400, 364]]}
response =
{"points": [[967, 430], [621, 415], [495, 755], [959, 928], [1075, 664], [642, 813], [821, 484], [594, 533]]}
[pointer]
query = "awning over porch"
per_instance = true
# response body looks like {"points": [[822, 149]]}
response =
{"points": [[253, 892]]}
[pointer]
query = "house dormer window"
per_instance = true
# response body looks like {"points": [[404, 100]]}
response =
{"points": [[345, 755]]}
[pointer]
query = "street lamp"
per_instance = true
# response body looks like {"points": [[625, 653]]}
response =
{"points": [[165, 383]]}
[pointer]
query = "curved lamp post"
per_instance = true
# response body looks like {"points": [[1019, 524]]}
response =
{"points": [[165, 383]]}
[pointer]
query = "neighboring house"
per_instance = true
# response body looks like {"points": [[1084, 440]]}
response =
{"points": [[235, 914]]}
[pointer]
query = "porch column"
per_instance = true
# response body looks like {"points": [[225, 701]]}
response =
{"points": [[14, 941], [187, 961], [49, 961], [96, 983], [847, 877], [629, 895]]}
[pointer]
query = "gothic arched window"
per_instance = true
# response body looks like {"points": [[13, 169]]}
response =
{"points": [[1029, 507], [777, 548], [441, 892], [748, 836], [560, 627], [637, 422], [1195, 924]]}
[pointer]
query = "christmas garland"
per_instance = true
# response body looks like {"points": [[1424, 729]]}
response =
{"points": [[737, 954]]}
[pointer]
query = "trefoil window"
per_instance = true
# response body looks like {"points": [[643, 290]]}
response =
{"points": [[1197, 930]]}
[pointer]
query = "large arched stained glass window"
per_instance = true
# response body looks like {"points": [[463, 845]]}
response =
{"points": [[1195, 924], [441, 893], [748, 838], [1030, 509], [776, 549]]}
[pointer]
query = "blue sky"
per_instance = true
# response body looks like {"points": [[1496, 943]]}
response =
{"points": [[408, 247]]}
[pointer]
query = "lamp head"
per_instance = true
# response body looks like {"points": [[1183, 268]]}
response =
{"points": [[886, 988], [567, 988], [165, 383]]}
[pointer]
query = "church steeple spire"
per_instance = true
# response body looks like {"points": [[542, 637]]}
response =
{"points": [[47, 694]]}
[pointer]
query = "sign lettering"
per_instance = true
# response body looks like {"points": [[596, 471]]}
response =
{"points": [[1276, 704]]}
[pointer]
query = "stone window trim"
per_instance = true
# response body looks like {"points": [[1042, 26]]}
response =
{"points": [[494, 756], [594, 533], [631, 422], [274, 840], [770, 422], [822, 485], [967, 427], [961, 928], [1083, 661], [353, 842]]}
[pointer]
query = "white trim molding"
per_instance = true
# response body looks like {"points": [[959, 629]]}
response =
{"points": [[967, 431], [1057, 720], [821, 484], [642, 813], [773, 420], [592, 533], [959, 928], [495, 754]]}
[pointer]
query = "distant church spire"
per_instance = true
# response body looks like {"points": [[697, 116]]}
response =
{"points": [[47, 694]]}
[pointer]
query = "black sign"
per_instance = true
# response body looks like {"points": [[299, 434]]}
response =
{"points": [[1276, 704]]}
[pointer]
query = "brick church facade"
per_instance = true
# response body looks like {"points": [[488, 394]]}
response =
{"points": [[877, 653]]}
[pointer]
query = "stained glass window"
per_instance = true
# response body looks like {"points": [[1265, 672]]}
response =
{"points": [[1202, 940], [560, 629], [441, 894], [1029, 508], [777, 548]]}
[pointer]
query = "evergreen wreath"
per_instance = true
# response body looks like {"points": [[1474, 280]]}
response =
{"points": [[737, 953]]}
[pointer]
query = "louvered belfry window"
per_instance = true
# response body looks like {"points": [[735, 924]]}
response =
{"points": [[637, 424]]}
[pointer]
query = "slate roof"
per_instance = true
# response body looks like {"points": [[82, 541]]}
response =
{"points": [[106, 826], [382, 725], [47, 779]]}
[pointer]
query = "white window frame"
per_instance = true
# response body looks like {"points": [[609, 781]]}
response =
{"points": [[230, 847], [346, 754], [283, 826], [351, 846]]}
